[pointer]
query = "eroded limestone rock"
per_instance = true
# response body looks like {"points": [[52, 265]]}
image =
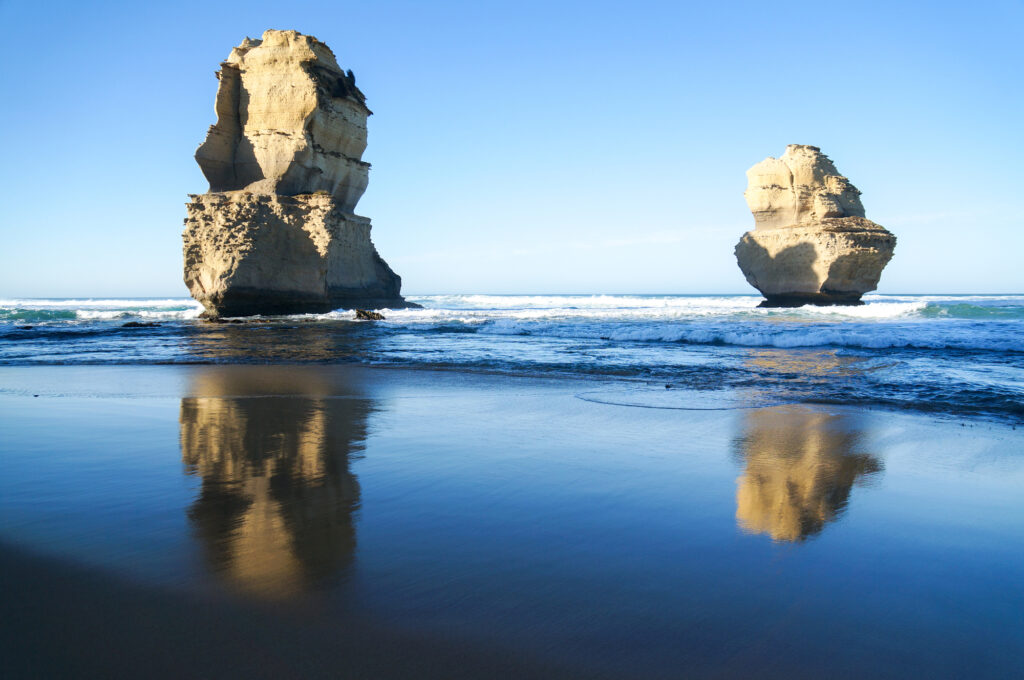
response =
{"points": [[811, 243], [268, 254], [289, 121], [276, 233]]}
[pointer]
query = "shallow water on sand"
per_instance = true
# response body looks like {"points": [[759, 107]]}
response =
{"points": [[549, 518]]}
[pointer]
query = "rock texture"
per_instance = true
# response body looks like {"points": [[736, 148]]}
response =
{"points": [[811, 243], [276, 234]]}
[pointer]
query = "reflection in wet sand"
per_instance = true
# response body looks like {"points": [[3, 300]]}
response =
{"points": [[800, 466], [274, 513], [281, 340], [810, 366]]}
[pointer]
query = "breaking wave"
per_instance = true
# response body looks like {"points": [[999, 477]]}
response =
{"points": [[30, 311]]}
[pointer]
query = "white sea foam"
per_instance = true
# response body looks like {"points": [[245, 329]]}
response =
{"points": [[159, 314], [95, 303], [884, 322], [478, 308], [97, 310]]}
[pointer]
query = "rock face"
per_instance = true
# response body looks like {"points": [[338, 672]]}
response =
{"points": [[811, 243], [276, 234]]}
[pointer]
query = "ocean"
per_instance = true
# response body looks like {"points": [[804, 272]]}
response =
{"points": [[945, 354]]}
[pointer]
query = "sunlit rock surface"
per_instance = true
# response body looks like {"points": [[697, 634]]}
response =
{"points": [[277, 234], [811, 242]]}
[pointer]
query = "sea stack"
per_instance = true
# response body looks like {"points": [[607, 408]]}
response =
{"points": [[276, 233], [811, 243]]}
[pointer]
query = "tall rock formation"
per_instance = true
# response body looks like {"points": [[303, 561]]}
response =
{"points": [[276, 234], [811, 243]]}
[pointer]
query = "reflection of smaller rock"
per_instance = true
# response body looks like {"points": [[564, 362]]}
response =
{"points": [[800, 466], [811, 243]]}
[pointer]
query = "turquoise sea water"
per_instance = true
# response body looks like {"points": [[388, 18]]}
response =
{"points": [[945, 354]]}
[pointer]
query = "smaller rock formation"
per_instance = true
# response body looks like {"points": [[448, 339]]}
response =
{"points": [[365, 315], [811, 243], [277, 234]]}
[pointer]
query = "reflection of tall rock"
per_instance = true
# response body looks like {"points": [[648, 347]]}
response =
{"points": [[323, 341], [277, 233], [800, 467], [811, 243], [274, 513]]}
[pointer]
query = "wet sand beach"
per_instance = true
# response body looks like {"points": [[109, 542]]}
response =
{"points": [[349, 521]]}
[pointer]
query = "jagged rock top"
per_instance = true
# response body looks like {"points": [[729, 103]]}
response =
{"points": [[289, 121], [284, 50], [799, 188]]}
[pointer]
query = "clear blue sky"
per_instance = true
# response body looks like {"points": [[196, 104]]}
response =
{"points": [[528, 147]]}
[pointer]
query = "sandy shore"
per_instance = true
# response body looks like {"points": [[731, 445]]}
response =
{"points": [[358, 522]]}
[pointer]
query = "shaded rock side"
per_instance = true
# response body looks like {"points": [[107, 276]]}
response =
{"points": [[248, 254], [277, 233], [833, 262], [811, 243]]}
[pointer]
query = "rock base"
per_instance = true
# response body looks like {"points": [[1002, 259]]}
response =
{"points": [[832, 262], [821, 300], [264, 254]]}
